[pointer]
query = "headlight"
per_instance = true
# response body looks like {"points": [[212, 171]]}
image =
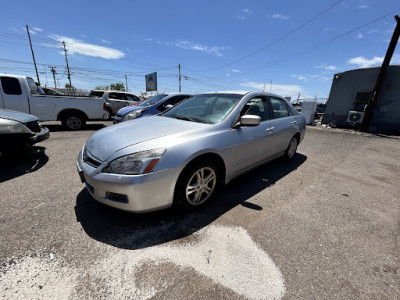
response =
{"points": [[10, 126], [132, 115], [137, 163]]}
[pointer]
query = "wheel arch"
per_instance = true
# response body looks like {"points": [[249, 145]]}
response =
{"points": [[71, 111]]}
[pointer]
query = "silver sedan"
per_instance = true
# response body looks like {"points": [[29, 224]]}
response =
{"points": [[183, 155]]}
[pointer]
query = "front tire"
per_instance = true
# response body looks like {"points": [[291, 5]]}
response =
{"points": [[196, 185]]}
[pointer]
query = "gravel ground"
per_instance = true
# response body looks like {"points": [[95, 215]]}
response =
{"points": [[325, 225]]}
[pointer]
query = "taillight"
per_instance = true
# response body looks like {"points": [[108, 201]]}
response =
{"points": [[104, 106]]}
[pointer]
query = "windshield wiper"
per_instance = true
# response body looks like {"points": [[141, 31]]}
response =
{"points": [[185, 118]]}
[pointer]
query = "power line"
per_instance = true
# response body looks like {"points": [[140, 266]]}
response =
{"points": [[275, 41], [315, 46]]}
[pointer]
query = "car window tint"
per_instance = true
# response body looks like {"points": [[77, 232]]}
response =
{"points": [[177, 99], [96, 94], [11, 86], [279, 108], [257, 106], [132, 98], [32, 85]]}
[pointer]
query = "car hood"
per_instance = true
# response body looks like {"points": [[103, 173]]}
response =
{"points": [[128, 109], [17, 116], [107, 141]]}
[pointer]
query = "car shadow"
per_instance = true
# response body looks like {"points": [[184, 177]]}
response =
{"points": [[135, 231], [60, 128], [15, 166]]}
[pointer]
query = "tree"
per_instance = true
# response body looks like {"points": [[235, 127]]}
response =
{"points": [[119, 86], [68, 86]]}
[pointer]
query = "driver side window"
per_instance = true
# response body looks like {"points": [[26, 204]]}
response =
{"points": [[258, 106]]}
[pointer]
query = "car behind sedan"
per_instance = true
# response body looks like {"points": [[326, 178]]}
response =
{"points": [[183, 155], [18, 129], [151, 106]]}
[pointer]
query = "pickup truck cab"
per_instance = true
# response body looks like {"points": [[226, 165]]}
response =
{"points": [[20, 93], [115, 99]]}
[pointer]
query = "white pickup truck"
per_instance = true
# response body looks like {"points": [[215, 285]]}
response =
{"points": [[21, 93]]}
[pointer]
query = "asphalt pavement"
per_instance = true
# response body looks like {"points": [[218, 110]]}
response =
{"points": [[325, 225]]}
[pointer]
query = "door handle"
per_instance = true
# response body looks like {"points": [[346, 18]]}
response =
{"points": [[269, 129], [293, 122]]}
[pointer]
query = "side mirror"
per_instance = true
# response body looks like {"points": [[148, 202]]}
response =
{"points": [[168, 106], [250, 120]]}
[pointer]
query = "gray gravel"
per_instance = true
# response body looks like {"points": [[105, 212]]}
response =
{"points": [[325, 225]]}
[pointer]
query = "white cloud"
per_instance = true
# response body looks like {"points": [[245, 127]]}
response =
{"points": [[236, 71], [363, 62], [105, 41], [359, 36], [37, 29], [279, 16], [76, 46], [198, 47], [328, 68], [305, 77], [363, 5], [149, 39], [280, 89], [245, 13]]}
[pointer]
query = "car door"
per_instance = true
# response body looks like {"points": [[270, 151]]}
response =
{"points": [[253, 145], [12, 94], [285, 122]]}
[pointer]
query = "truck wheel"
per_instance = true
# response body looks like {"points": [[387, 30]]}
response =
{"points": [[73, 122], [196, 185]]}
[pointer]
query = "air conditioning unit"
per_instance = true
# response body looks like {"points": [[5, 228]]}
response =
{"points": [[355, 117]]}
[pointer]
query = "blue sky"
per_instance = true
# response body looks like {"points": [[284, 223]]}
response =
{"points": [[290, 47]]}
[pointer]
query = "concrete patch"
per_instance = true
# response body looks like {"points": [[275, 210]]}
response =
{"points": [[228, 256]]}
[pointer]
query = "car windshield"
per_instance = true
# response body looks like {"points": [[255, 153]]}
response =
{"points": [[153, 100], [206, 108]]}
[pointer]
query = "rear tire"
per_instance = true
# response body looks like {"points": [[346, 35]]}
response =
{"points": [[73, 122], [291, 149], [196, 185]]}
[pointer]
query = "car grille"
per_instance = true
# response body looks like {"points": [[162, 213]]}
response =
{"points": [[90, 159], [33, 126]]}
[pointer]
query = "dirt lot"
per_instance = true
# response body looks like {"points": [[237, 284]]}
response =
{"points": [[325, 225]]}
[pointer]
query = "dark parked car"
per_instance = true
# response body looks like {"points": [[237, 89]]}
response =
{"points": [[18, 129]]}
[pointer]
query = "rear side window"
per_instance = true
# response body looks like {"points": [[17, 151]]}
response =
{"points": [[32, 85], [96, 94], [11, 86], [279, 108]]}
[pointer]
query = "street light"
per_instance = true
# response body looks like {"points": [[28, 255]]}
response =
{"points": [[270, 87]]}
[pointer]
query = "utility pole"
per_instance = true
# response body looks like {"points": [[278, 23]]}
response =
{"points": [[126, 83], [54, 75], [66, 60], [179, 77], [33, 55], [270, 87], [372, 102]]}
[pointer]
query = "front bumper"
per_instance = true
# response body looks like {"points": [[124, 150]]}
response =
{"points": [[15, 140], [134, 193], [44, 134]]}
